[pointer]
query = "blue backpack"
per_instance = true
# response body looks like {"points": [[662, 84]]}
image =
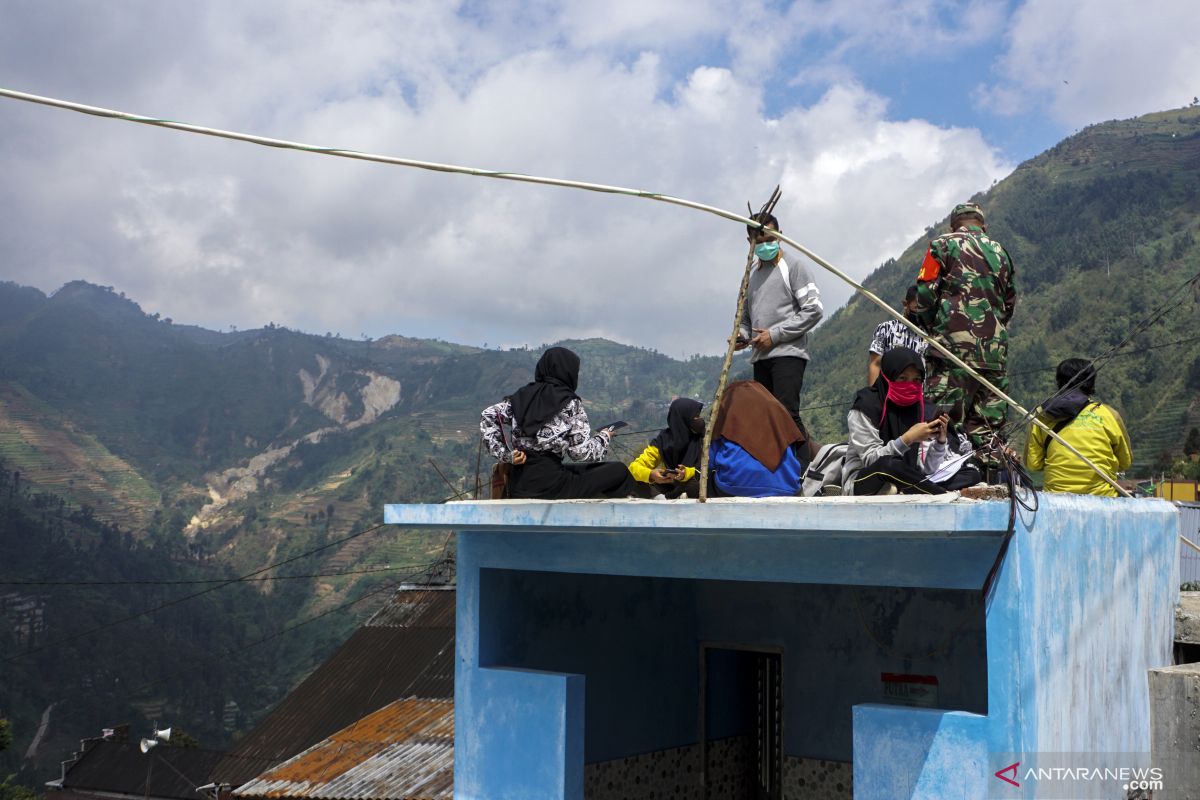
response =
{"points": [[738, 473]]}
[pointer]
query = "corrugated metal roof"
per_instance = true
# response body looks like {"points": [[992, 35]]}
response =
{"points": [[1189, 559], [424, 608], [377, 664], [120, 767], [404, 751]]}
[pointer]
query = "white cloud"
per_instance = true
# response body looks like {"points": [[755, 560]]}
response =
{"points": [[219, 233], [1105, 59]]}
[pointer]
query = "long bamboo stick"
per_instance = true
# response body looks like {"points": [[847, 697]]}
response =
{"points": [[716, 403]]}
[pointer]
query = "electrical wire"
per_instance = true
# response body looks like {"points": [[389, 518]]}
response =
{"points": [[369, 571], [585, 186], [1036, 370], [423, 568], [185, 598], [1096, 363]]}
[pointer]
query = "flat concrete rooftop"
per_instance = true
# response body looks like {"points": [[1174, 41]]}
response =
{"points": [[941, 542]]}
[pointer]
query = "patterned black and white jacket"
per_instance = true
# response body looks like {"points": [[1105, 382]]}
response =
{"points": [[568, 433]]}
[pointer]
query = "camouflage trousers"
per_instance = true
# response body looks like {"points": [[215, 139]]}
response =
{"points": [[971, 406]]}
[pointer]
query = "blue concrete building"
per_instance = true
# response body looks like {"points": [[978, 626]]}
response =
{"points": [[797, 648]]}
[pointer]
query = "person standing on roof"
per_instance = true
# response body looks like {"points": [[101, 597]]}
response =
{"points": [[782, 305], [1091, 427], [893, 333], [965, 298]]}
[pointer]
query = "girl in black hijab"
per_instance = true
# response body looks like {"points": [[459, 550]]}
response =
{"points": [[549, 424], [669, 464], [897, 444]]}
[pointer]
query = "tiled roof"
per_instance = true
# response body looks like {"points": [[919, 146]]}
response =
{"points": [[404, 751], [405, 650]]}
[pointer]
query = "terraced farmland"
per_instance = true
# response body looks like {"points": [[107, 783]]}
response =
{"points": [[53, 453]]}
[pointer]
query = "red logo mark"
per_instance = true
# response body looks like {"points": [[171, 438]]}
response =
{"points": [[1010, 768]]}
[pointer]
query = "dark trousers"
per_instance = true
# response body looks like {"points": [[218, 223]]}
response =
{"points": [[669, 490], [546, 477], [908, 478], [784, 378]]}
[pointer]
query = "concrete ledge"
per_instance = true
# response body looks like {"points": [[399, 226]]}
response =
{"points": [[1175, 730], [896, 514], [531, 739], [902, 752]]}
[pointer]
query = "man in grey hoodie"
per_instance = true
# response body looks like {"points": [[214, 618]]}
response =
{"points": [[782, 306]]}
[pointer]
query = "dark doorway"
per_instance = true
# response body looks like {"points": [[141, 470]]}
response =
{"points": [[741, 722]]}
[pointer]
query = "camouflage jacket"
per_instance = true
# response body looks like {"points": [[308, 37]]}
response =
{"points": [[966, 296]]}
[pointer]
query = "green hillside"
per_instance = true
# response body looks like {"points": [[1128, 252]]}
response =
{"points": [[149, 449], [1101, 228]]}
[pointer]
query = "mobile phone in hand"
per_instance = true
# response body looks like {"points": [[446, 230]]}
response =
{"points": [[613, 426]]}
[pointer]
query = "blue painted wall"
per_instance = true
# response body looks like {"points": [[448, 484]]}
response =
{"points": [[637, 643], [1081, 609], [919, 753]]}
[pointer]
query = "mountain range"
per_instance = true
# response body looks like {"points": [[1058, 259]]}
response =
{"points": [[131, 444]]}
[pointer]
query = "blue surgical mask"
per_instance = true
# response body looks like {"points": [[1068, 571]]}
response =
{"points": [[766, 251]]}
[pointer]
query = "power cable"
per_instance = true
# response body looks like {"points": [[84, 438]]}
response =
{"points": [[1036, 370], [420, 569], [946, 353], [370, 571], [1094, 365], [185, 598]]}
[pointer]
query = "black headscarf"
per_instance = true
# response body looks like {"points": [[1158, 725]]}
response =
{"points": [[679, 446], [554, 384], [1067, 405], [891, 419]]}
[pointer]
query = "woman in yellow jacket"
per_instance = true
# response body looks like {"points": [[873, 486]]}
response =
{"points": [[670, 464], [1091, 427]]}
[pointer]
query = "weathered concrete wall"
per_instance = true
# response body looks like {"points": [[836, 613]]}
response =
{"points": [[637, 640], [1175, 730], [528, 734], [919, 753], [1187, 618], [1081, 609]]}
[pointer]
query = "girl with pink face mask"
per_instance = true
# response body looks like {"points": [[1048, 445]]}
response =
{"points": [[896, 443]]}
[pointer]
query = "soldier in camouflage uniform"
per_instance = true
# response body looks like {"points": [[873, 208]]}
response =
{"points": [[965, 298]]}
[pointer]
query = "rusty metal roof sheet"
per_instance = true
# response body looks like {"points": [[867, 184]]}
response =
{"points": [[376, 665], [404, 751]]}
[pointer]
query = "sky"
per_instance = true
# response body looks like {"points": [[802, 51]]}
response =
{"points": [[875, 117]]}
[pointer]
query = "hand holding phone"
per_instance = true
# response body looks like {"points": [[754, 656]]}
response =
{"points": [[613, 426]]}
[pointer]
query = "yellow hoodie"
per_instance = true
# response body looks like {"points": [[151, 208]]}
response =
{"points": [[1098, 433], [651, 458]]}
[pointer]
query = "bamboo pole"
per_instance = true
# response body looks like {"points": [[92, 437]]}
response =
{"points": [[712, 411], [591, 187]]}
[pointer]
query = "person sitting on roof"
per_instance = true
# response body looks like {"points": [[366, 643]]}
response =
{"points": [[754, 444], [548, 424], [1091, 427], [670, 464], [896, 443]]}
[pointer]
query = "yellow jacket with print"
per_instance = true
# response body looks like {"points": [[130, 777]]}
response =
{"points": [[650, 459], [1098, 433]]}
